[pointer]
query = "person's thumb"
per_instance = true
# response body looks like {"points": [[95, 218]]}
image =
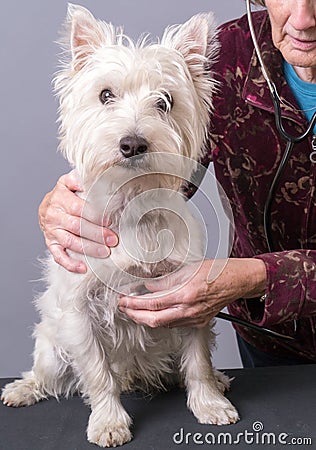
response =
{"points": [[160, 284]]}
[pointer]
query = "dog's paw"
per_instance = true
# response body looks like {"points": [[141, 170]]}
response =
{"points": [[222, 381], [109, 436], [21, 393], [216, 412]]}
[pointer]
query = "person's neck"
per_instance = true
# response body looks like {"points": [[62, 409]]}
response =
{"points": [[306, 73]]}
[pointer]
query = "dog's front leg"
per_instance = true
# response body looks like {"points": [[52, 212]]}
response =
{"points": [[109, 422], [205, 398]]}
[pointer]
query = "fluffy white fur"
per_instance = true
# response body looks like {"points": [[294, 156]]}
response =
{"points": [[83, 342]]}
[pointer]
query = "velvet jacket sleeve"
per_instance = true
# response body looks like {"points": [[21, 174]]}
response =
{"points": [[291, 286]]}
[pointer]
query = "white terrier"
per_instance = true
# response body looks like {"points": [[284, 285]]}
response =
{"points": [[133, 121]]}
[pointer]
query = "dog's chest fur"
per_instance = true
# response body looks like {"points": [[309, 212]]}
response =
{"points": [[135, 352]]}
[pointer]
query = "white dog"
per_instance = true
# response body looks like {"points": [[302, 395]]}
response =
{"points": [[133, 122]]}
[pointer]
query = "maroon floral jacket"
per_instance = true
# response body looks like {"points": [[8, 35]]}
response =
{"points": [[246, 150]]}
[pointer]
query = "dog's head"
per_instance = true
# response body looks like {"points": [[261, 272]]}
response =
{"points": [[135, 104]]}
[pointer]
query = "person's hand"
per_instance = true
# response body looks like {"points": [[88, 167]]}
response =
{"points": [[194, 295], [61, 219]]}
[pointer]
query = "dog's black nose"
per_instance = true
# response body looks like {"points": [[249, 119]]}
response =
{"points": [[133, 145]]}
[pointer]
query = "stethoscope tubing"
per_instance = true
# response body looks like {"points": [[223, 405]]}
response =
{"points": [[252, 326], [290, 142]]}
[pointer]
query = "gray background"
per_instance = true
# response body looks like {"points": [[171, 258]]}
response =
{"points": [[30, 162]]}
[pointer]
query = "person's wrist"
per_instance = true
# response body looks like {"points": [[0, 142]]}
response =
{"points": [[258, 276]]}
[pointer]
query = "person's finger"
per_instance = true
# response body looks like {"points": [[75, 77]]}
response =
{"points": [[64, 199], [61, 257], [175, 280], [195, 315], [66, 211], [87, 230], [77, 244], [71, 181], [85, 210], [61, 199], [154, 319], [150, 301]]}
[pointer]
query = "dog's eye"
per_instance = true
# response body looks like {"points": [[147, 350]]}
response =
{"points": [[165, 103], [106, 96]]}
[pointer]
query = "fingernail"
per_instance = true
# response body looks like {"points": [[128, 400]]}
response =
{"points": [[82, 268], [123, 301], [103, 252], [111, 241]]}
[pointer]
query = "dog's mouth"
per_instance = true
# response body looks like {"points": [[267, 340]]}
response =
{"points": [[135, 162]]}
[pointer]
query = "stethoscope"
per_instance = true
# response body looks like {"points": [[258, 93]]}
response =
{"points": [[290, 142], [290, 139]]}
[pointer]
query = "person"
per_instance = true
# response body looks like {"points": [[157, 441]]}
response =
{"points": [[274, 289]]}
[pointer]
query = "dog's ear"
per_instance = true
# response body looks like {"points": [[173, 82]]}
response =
{"points": [[86, 34], [196, 40]]}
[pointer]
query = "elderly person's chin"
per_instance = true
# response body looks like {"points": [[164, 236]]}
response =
{"points": [[299, 53], [299, 50]]}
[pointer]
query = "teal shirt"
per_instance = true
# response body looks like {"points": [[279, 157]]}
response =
{"points": [[304, 92]]}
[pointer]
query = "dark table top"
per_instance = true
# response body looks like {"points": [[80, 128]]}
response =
{"points": [[277, 407]]}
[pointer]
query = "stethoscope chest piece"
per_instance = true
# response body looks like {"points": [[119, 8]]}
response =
{"points": [[312, 156]]}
